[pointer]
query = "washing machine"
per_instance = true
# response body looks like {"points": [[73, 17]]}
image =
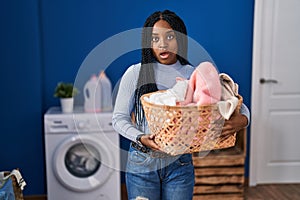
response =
{"points": [[82, 156]]}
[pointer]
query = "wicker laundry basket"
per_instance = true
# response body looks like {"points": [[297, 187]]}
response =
{"points": [[187, 129]]}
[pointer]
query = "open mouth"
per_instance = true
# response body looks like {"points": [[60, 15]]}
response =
{"points": [[164, 55]]}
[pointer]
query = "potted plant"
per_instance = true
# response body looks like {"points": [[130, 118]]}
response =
{"points": [[66, 93]]}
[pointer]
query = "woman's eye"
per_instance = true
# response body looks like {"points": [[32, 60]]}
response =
{"points": [[170, 37], [155, 39]]}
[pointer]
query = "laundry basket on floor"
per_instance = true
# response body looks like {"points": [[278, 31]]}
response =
{"points": [[12, 179], [187, 129]]}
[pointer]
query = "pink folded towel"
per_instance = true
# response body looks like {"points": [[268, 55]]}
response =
{"points": [[204, 86]]}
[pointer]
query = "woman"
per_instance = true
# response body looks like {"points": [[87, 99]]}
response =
{"points": [[151, 173]]}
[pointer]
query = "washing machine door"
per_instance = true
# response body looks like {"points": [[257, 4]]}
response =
{"points": [[83, 162]]}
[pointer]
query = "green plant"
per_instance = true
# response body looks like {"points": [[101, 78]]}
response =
{"points": [[65, 90]]}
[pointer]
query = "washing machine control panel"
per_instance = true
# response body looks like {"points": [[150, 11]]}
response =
{"points": [[94, 122], [79, 122]]}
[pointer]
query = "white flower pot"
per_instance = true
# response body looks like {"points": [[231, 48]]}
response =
{"points": [[67, 105]]}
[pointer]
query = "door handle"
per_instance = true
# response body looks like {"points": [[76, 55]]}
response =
{"points": [[262, 81]]}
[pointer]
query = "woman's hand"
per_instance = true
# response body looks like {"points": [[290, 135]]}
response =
{"points": [[236, 122], [148, 140]]}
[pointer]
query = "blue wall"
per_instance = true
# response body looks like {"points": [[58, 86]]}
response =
{"points": [[44, 42]]}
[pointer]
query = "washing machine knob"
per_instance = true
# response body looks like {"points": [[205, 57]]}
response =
{"points": [[81, 125]]}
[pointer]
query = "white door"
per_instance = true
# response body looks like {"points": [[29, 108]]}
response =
{"points": [[275, 127]]}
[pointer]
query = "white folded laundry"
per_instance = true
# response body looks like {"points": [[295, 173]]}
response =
{"points": [[179, 89], [229, 87], [229, 100], [227, 107], [170, 96], [163, 98]]}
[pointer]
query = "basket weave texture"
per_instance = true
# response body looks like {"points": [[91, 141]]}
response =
{"points": [[187, 129]]}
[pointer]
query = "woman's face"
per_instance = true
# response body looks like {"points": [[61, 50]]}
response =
{"points": [[164, 43]]}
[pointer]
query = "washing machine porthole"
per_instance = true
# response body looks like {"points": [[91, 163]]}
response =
{"points": [[91, 143], [82, 160]]}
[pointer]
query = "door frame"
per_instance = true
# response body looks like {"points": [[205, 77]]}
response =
{"points": [[257, 70]]}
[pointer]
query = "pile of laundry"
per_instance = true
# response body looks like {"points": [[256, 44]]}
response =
{"points": [[205, 86]]}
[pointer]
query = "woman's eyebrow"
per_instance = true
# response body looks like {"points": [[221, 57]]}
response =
{"points": [[170, 31]]}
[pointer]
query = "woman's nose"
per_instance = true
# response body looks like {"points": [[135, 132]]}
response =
{"points": [[163, 44]]}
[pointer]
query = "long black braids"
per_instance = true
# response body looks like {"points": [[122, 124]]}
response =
{"points": [[146, 81]]}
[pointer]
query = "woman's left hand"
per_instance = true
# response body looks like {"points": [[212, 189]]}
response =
{"points": [[148, 140], [236, 122]]}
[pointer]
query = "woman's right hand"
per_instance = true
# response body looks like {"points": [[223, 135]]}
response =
{"points": [[148, 140]]}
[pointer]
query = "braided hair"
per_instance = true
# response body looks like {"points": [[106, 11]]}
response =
{"points": [[146, 80]]}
